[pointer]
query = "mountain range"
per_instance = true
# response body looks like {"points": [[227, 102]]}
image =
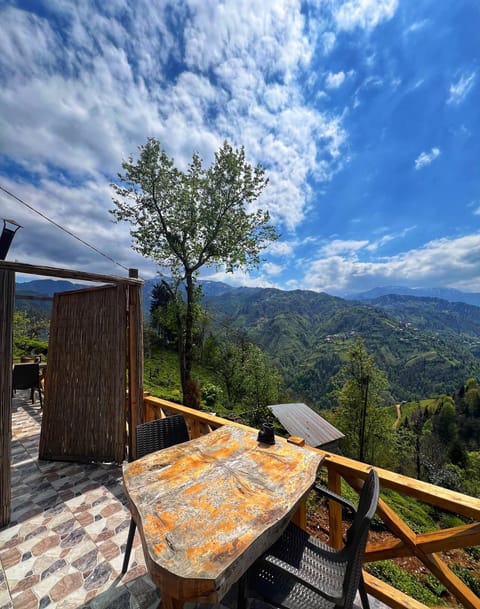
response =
{"points": [[425, 345], [449, 294]]}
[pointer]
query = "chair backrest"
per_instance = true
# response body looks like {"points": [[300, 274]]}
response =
{"points": [[25, 376], [357, 536], [161, 433]]}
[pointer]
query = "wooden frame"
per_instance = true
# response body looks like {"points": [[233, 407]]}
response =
{"points": [[134, 364]]}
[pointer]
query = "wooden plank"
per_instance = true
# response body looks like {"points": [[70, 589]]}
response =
{"points": [[392, 597], [84, 409], [48, 271], [465, 536], [7, 305], [135, 407], [454, 584], [386, 550]]}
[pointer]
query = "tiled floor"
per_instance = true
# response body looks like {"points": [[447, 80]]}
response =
{"points": [[64, 546]]}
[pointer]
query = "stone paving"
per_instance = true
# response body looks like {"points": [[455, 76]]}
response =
{"points": [[64, 546]]}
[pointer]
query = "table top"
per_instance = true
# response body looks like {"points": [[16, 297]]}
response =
{"points": [[208, 508]]}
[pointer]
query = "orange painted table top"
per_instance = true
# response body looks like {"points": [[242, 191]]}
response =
{"points": [[208, 508]]}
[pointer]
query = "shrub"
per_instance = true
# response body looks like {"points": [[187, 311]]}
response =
{"points": [[468, 578], [211, 394], [392, 574]]}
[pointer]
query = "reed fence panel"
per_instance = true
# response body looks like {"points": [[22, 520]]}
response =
{"points": [[85, 384]]}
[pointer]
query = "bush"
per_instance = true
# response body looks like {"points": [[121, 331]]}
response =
{"points": [[211, 394], [467, 577], [392, 574]]}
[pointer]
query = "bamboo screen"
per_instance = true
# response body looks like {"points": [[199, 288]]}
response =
{"points": [[85, 384]]}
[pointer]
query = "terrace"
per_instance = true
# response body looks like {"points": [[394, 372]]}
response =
{"points": [[65, 523], [65, 542]]}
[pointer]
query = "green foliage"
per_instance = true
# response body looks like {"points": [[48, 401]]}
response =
{"points": [[211, 394], [27, 333], [417, 515], [468, 578], [392, 574], [308, 335], [474, 552], [360, 395], [471, 474]]}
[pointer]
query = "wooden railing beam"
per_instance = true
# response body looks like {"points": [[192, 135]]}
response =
{"points": [[437, 496], [465, 536], [453, 583], [389, 595], [386, 550]]}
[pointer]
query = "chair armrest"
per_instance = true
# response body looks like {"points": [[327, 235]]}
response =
{"points": [[325, 492]]}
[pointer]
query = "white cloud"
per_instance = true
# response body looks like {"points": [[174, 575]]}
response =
{"points": [[333, 81], [426, 158], [459, 269], [460, 89], [272, 269], [338, 246], [417, 26], [281, 248], [328, 41], [365, 14], [79, 100]]}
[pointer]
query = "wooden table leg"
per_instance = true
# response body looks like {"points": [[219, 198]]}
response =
{"points": [[168, 602]]}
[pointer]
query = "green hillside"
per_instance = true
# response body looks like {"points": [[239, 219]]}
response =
{"points": [[307, 335]]}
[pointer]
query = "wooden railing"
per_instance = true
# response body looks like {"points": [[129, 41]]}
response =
{"points": [[405, 542]]}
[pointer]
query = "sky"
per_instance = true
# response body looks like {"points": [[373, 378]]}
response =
{"points": [[365, 115]]}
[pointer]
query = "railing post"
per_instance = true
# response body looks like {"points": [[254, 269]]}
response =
{"points": [[335, 510], [7, 303], [135, 362]]}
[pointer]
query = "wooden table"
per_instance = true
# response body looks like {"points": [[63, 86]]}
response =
{"points": [[208, 508]]}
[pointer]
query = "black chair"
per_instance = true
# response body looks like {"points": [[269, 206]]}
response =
{"points": [[27, 376], [151, 437], [300, 571]]}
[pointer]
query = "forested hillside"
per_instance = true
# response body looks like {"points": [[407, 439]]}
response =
{"points": [[424, 348]]}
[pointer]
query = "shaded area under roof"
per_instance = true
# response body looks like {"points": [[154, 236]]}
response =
{"points": [[301, 420]]}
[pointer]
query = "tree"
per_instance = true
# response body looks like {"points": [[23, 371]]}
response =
{"points": [[362, 387], [186, 220]]}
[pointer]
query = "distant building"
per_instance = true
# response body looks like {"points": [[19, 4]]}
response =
{"points": [[300, 420]]}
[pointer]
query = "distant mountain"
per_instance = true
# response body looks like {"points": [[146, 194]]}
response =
{"points": [[424, 345], [210, 288], [47, 287], [449, 294]]}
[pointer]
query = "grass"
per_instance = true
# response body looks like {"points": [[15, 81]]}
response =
{"points": [[419, 588], [162, 380]]}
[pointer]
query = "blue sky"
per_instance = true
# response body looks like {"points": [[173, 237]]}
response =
{"points": [[365, 114]]}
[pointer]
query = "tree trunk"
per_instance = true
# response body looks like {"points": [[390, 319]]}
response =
{"points": [[190, 389]]}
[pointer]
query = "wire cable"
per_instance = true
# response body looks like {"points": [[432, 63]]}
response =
{"points": [[14, 196]]}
